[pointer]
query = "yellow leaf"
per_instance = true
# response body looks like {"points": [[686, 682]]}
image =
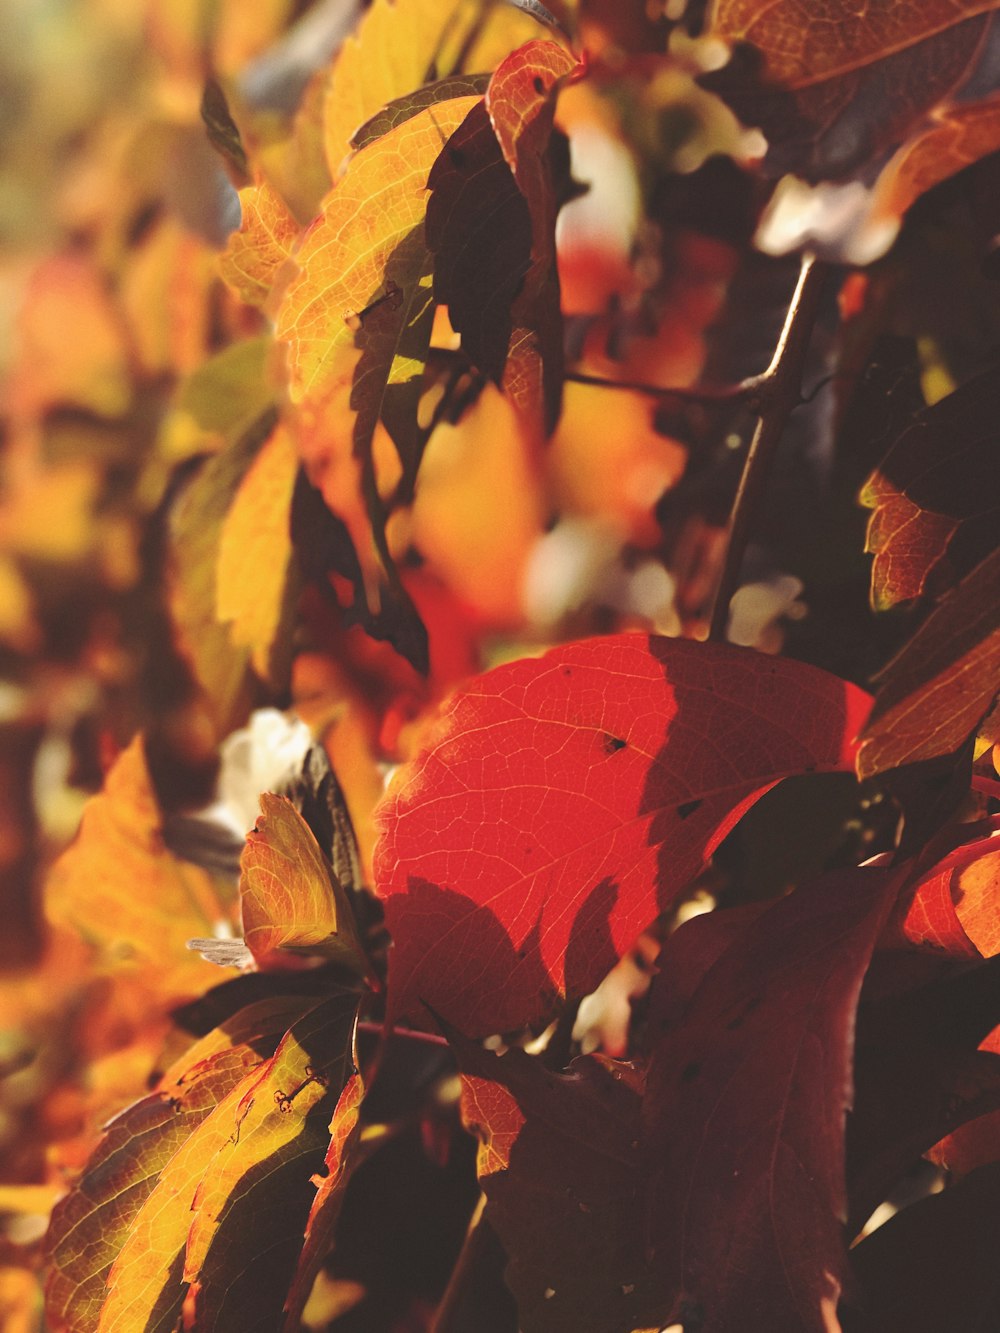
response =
{"points": [[255, 552], [402, 44], [357, 319]]}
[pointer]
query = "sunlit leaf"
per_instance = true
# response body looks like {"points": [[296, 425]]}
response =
{"points": [[196, 527], [290, 897], [90, 1225], [256, 577], [562, 802], [357, 323], [265, 240], [245, 1173], [400, 45]]}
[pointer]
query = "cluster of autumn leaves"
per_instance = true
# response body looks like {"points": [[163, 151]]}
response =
{"points": [[350, 452]]}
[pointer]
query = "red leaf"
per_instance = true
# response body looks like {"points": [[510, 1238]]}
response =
{"points": [[565, 801], [745, 1106], [953, 908]]}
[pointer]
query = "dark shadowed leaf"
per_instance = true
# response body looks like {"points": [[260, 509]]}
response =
{"points": [[920, 1075], [933, 1267], [834, 86], [564, 801], [560, 1167], [743, 1118], [935, 501], [934, 692], [491, 226]]}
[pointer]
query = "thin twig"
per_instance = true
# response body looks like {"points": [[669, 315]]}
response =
{"points": [[779, 392], [708, 396]]}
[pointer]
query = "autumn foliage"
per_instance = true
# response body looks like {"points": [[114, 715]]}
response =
{"points": [[492, 842]]}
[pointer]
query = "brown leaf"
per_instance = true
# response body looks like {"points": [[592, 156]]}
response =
{"points": [[935, 691], [935, 507]]}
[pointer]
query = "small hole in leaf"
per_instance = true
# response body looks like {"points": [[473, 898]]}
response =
{"points": [[690, 1071], [612, 744], [539, 83], [687, 808]]}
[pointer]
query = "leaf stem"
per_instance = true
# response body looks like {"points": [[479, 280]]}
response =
{"points": [[778, 391], [449, 1311]]}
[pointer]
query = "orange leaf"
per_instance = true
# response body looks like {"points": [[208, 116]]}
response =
{"points": [[121, 889], [291, 898], [254, 254], [957, 137]]}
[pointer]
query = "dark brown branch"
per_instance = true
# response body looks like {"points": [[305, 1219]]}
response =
{"points": [[778, 393]]}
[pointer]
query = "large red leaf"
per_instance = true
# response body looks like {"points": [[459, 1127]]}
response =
{"points": [[744, 1111], [564, 801]]}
